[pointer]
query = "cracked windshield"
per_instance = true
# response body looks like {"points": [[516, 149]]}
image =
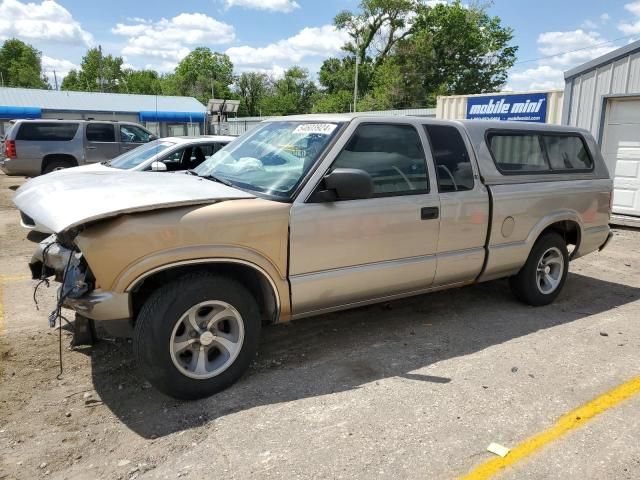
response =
{"points": [[271, 159]]}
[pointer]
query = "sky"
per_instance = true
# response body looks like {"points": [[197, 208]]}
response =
{"points": [[272, 35]]}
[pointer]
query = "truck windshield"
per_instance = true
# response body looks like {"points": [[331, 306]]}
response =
{"points": [[140, 154], [272, 158]]}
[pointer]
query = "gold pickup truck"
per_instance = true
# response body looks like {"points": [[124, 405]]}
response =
{"points": [[312, 214]]}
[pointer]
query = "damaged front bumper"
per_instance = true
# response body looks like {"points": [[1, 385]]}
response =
{"points": [[67, 265]]}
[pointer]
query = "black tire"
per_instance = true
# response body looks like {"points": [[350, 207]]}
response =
{"points": [[525, 285], [160, 314], [57, 165]]}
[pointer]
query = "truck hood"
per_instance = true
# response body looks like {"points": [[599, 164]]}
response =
{"points": [[68, 198]]}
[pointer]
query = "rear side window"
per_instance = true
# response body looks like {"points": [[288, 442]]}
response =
{"points": [[47, 132], [518, 153], [567, 153], [391, 154], [451, 157], [100, 132], [539, 152]]}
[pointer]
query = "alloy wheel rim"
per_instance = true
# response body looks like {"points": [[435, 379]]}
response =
{"points": [[207, 339], [550, 270]]}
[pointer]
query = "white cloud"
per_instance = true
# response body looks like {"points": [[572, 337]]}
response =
{"points": [[604, 18], [170, 40], [60, 66], [46, 21], [572, 47], [633, 7], [309, 42], [633, 27], [543, 77], [273, 5], [589, 24], [561, 51]]}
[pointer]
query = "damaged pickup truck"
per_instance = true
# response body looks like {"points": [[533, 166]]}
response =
{"points": [[312, 214]]}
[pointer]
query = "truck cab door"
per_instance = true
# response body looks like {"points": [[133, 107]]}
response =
{"points": [[101, 142], [464, 204], [350, 252]]}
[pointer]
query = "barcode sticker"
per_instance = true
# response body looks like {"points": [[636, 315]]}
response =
{"points": [[316, 128]]}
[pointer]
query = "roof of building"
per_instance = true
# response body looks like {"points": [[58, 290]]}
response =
{"points": [[96, 101], [612, 56]]}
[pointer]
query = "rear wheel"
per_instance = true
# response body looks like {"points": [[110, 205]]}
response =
{"points": [[197, 335], [543, 275], [55, 165]]}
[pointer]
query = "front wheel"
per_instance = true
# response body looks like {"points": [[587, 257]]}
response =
{"points": [[541, 279], [196, 335]]}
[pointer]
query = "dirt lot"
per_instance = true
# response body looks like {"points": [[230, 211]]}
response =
{"points": [[413, 389]]}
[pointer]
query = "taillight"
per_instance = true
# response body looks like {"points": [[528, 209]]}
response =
{"points": [[10, 148]]}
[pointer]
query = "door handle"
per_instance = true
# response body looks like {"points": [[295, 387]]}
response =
{"points": [[429, 213], [92, 148]]}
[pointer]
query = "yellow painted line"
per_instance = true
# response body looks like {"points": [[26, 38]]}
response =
{"points": [[565, 424]]}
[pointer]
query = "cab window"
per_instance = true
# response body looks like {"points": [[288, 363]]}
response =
{"points": [[567, 152], [100, 132], [393, 156], [133, 134], [518, 153], [173, 161], [453, 166]]}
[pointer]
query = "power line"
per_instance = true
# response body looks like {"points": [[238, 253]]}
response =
{"points": [[576, 50]]}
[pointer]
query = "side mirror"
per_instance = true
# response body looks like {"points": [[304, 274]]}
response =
{"points": [[346, 184], [158, 167], [152, 138]]}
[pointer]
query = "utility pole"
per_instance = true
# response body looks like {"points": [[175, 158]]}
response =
{"points": [[55, 79], [355, 83], [100, 67]]}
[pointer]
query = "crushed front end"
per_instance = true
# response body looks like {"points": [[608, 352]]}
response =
{"points": [[58, 258]]}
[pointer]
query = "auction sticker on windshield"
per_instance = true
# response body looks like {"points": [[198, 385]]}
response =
{"points": [[317, 128]]}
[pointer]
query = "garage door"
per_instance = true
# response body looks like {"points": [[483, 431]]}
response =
{"points": [[621, 151]]}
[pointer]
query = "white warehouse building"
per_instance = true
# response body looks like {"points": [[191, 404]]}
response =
{"points": [[603, 96]]}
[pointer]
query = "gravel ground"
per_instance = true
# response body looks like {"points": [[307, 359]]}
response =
{"points": [[411, 389]]}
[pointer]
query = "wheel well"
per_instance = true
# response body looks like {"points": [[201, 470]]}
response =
{"points": [[255, 281], [569, 230], [58, 156]]}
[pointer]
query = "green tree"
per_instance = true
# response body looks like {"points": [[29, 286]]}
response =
{"points": [[203, 69], [338, 102], [293, 94], [169, 84], [144, 82], [411, 52], [453, 50], [337, 75], [376, 29], [252, 88], [98, 73], [21, 65]]}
